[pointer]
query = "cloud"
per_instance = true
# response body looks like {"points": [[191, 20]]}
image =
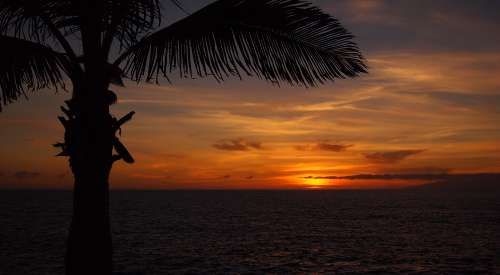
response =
{"points": [[332, 147], [26, 175], [443, 176], [467, 101], [427, 170], [237, 145], [425, 24], [391, 157], [324, 146], [384, 177], [249, 177]]}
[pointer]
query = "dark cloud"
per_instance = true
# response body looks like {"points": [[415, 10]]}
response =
{"points": [[424, 25], [249, 177], [386, 177], [226, 177], [426, 170], [391, 157], [26, 175], [443, 176], [237, 145], [332, 147], [465, 182], [324, 146]]}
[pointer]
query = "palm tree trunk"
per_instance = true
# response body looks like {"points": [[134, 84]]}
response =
{"points": [[88, 141]]}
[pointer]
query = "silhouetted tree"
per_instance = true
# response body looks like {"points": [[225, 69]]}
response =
{"points": [[45, 43]]}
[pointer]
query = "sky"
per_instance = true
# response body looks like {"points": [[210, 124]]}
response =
{"points": [[429, 105]]}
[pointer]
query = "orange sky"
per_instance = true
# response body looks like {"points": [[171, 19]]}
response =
{"points": [[420, 110]]}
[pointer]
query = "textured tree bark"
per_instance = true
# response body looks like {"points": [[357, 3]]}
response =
{"points": [[88, 142]]}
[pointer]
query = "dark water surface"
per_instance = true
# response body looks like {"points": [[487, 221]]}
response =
{"points": [[272, 232]]}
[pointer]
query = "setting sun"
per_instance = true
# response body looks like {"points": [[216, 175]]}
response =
{"points": [[316, 183]]}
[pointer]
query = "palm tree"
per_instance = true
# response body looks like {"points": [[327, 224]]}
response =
{"points": [[47, 43]]}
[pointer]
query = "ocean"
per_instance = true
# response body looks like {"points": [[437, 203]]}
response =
{"points": [[265, 232]]}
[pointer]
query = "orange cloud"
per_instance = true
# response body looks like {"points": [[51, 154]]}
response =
{"points": [[391, 157], [324, 146], [237, 145]]}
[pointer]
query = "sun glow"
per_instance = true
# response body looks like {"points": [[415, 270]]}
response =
{"points": [[312, 183]]}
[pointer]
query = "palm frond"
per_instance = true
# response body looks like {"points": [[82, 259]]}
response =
{"points": [[27, 66], [122, 20], [277, 40], [21, 18], [180, 6], [125, 20]]}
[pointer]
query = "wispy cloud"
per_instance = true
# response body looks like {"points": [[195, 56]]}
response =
{"points": [[442, 176], [384, 177], [239, 144], [426, 170], [392, 156], [324, 146]]}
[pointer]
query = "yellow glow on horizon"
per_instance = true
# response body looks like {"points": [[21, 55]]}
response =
{"points": [[312, 183]]}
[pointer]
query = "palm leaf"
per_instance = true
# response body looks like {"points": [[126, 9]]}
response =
{"points": [[123, 20], [27, 66], [287, 40], [21, 18]]}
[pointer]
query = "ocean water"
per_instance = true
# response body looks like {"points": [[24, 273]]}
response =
{"points": [[265, 232]]}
